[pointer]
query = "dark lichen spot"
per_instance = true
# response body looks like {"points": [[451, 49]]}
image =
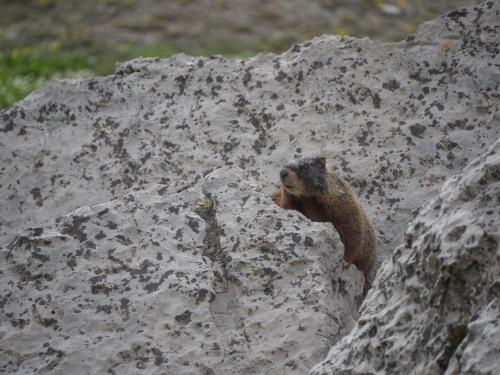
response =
{"points": [[247, 77], [362, 139], [36, 231], [8, 127], [308, 242], [19, 323], [152, 287], [417, 130], [71, 264], [456, 14], [178, 234], [123, 240], [111, 225], [76, 227], [100, 214], [104, 308], [296, 238], [317, 65], [37, 196], [201, 295], [456, 233], [391, 85], [159, 360], [173, 209], [183, 318], [181, 83], [281, 76], [100, 235]]}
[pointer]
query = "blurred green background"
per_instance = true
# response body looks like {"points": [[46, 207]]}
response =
{"points": [[42, 40]]}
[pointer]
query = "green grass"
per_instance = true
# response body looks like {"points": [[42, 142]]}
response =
{"points": [[23, 70]]}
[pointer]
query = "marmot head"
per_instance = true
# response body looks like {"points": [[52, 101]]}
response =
{"points": [[305, 177]]}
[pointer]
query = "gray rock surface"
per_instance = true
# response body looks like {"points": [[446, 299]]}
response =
{"points": [[391, 118], [435, 305], [117, 271], [143, 283]]}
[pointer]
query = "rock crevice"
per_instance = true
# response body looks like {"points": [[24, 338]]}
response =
{"points": [[447, 277]]}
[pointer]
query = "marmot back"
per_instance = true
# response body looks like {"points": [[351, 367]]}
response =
{"points": [[312, 188]]}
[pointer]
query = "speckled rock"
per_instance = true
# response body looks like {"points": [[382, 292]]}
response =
{"points": [[435, 305], [110, 265], [159, 282], [392, 118]]}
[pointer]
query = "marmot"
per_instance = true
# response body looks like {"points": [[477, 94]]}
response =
{"points": [[314, 189]]}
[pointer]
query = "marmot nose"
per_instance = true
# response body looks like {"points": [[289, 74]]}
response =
{"points": [[284, 174]]}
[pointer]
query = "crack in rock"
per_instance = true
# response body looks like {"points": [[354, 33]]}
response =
{"points": [[224, 307]]}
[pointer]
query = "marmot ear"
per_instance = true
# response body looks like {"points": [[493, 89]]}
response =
{"points": [[320, 162]]}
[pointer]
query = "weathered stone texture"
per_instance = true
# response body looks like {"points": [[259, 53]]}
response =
{"points": [[392, 118], [166, 283], [435, 305], [108, 263]]}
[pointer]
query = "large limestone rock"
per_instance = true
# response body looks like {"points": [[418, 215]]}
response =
{"points": [[435, 305], [392, 118], [162, 282], [109, 262]]}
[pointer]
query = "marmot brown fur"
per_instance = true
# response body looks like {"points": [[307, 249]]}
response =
{"points": [[312, 188]]}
